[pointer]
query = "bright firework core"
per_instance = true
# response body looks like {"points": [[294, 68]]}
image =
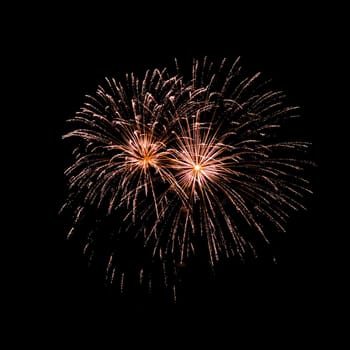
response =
{"points": [[143, 152], [197, 173], [197, 168], [146, 160]]}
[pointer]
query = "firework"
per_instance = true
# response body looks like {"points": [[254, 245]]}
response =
{"points": [[167, 168]]}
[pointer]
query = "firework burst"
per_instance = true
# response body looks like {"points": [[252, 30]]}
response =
{"points": [[176, 166]]}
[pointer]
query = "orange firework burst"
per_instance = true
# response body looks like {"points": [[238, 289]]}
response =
{"points": [[171, 164]]}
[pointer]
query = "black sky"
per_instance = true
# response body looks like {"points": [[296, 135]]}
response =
{"points": [[68, 54]]}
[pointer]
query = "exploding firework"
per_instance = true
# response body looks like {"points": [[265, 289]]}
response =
{"points": [[165, 169]]}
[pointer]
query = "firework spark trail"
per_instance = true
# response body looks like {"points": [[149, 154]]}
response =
{"points": [[182, 163]]}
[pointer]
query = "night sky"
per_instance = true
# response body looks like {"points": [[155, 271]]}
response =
{"points": [[70, 53]]}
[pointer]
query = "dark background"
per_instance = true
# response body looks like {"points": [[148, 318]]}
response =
{"points": [[67, 53]]}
